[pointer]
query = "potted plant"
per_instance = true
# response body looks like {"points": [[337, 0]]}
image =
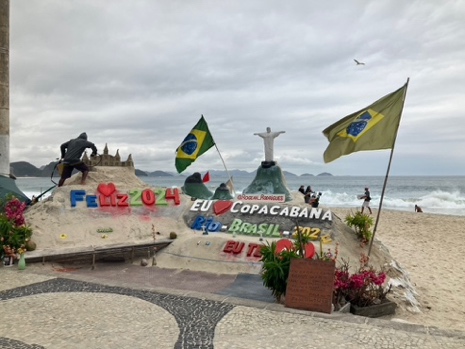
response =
{"points": [[366, 289]]}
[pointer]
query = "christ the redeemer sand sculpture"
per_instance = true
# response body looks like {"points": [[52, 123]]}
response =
{"points": [[268, 139]]}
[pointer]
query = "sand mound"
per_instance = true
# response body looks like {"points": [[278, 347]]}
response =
{"points": [[60, 228]]}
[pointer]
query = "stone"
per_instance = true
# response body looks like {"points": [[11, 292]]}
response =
{"points": [[195, 188], [30, 245], [269, 180], [222, 193], [386, 307]]}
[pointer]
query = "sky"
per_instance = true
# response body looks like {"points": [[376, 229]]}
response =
{"points": [[137, 75]]}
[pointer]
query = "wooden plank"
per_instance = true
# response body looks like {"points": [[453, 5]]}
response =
{"points": [[133, 250]]}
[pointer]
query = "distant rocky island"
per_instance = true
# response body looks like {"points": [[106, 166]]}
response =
{"points": [[26, 169]]}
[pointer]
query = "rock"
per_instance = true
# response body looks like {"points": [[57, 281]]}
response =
{"points": [[222, 193], [194, 187], [144, 262], [30, 245], [269, 180]]}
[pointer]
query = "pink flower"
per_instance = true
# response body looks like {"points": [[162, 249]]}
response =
{"points": [[361, 288], [14, 211]]}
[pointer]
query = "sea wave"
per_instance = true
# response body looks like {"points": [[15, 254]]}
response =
{"points": [[443, 195]]}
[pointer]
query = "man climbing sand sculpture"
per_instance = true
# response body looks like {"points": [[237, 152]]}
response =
{"points": [[268, 139], [71, 153]]}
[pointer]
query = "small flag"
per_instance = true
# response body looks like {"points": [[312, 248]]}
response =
{"points": [[197, 142], [206, 178], [372, 128]]}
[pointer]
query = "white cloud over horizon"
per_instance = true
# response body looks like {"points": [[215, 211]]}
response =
{"points": [[138, 75]]}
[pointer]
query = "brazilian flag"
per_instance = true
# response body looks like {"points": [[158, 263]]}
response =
{"points": [[197, 142], [371, 128]]}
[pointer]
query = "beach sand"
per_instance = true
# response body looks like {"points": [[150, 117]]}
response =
{"points": [[430, 249], [427, 247]]}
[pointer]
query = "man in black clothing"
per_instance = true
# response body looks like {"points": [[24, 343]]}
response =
{"points": [[308, 194], [315, 199], [366, 200], [71, 153]]}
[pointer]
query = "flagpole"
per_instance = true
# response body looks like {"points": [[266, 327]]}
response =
{"points": [[387, 173], [224, 164]]}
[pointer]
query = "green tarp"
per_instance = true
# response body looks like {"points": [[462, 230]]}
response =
{"points": [[8, 186]]}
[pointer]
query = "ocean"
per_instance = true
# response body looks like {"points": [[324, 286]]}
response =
{"points": [[440, 195]]}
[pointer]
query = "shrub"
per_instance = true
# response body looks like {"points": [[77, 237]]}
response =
{"points": [[361, 223], [275, 269], [365, 287]]}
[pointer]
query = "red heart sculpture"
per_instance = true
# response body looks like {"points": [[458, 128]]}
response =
{"points": [[106, 189], [221, 207], [309, 251], [284, 244]]}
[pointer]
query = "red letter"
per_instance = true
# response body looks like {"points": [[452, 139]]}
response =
{"points": [[239, 247], [148, 197], [104, 200], [252, 247], [258, 251], [173, 194], [123, 199], [229, 246]]}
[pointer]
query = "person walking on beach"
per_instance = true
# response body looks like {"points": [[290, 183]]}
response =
{"points": [[366, 200], [71, 153]]}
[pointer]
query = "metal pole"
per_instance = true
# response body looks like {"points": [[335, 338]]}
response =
{"points": [[387, 175], [5, 87]]}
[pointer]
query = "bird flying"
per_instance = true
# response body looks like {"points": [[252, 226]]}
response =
{"points": [[359, 63]]}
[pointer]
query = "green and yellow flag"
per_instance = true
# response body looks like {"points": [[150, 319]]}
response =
{"points": [[372, 128], [197, 142]]}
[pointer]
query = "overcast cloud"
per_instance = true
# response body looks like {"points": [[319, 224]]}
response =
{"points": [[139, 74]]}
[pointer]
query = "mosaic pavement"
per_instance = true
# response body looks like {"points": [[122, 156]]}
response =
{"points": [[43, 311]]}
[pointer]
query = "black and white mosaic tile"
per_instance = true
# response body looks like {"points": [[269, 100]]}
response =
{"points": [[196, 318]]}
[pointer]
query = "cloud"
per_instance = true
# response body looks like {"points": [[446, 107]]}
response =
{"points": [[138, 75]]}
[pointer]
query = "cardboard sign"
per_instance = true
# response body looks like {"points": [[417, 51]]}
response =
{"points": [[310, 285]]}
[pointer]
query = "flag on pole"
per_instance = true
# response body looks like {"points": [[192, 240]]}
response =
{"points": [[197, 142], [372, 128], [206, 178]]}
